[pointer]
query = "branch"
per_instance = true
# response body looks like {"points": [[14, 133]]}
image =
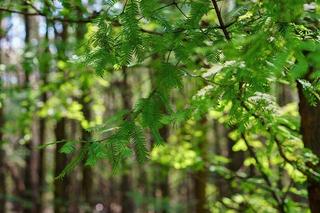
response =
{"points": [[221, 22], [309, 172], [39, 13], [177, 6], [18, 12], [280, 204]]}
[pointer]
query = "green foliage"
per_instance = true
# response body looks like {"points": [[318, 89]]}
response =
{"points": [[272, 44], [253, 61], [68, 147], [202, 69]]}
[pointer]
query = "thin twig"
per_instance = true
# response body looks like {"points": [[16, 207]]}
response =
{"points": [[177, 6]]}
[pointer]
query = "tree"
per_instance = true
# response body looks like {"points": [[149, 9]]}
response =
{"points": [[61, 186], [30, 178], [3, 188], [44, 67]]}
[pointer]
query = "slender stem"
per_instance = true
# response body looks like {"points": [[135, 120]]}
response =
{"points": [[221, 22]]}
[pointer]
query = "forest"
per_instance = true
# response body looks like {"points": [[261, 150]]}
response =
{"points": [[159, 106]]}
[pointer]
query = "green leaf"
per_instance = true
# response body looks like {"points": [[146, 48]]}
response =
{"points": [[139, 144], [68, 147]]}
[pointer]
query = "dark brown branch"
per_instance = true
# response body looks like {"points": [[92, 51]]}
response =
{"points": [[221, 22]]}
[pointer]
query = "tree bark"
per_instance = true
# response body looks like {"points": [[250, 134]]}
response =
{"points": [[220, 148], [164, 186], [44, 70], [3, 188], [87, 172], [87, 176], [310, 130], [236, 158], [61, 198], [200, 177], [30, 171], [126, 180], [61, 186]]}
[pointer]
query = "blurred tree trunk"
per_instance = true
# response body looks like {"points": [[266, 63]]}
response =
{"points": [[30, 172], [164, 180], [219, 148], [44, 66], [61, 195], [87, 172], [284, 98], [112, 194], [3, 187], [285, 95], [223, 146], [126, 187], [18, 188], [87, 176], [74, 190], [310, 130], [161, 190], [236, 158], [200, 177], [126, 179]]}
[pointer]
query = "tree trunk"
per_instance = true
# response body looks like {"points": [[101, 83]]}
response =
{"points": [[200, 177], [284, 98], [30, 178], [61, 193], [285, 95], [236, 158], [87, 172], [87, 176], [44, 70], [3, 188], [74, 189], [61, 197], [164, 176], [220, 149], [310, 130], [126, 187], [126, 180], [199, 182], [41, 165]]}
